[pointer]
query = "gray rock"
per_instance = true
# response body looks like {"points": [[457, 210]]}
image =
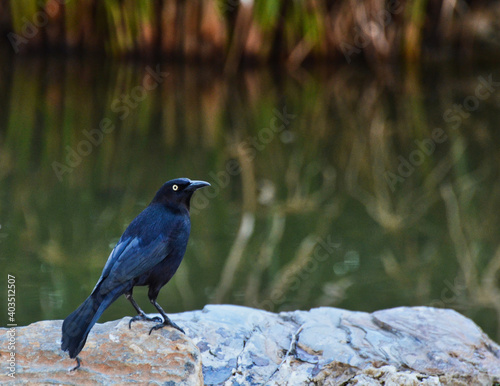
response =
{"points": [[233, 345]]}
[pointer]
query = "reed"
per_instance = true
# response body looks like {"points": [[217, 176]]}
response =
{"points": [[289, 32]]}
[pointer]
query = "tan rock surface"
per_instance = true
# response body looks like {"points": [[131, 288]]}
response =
{"points": [[113, 355]]}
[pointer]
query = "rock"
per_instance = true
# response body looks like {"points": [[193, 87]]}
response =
{"points": [[113, 355], [233, 345]]}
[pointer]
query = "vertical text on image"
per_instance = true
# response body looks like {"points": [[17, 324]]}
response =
{"points": [[11, 332]]}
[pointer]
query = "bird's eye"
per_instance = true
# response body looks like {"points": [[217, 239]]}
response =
{"points": [[175, 187]]}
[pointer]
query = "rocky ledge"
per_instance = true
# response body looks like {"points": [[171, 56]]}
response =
{"points": [[232, 345]]}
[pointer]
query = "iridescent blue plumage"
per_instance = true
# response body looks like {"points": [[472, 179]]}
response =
{"points": [[148, 253]]}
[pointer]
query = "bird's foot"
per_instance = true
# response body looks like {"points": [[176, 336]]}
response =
{"points": [[144, 317], [167, 322], [78, 363]]}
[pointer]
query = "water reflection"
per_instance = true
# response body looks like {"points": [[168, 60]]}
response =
{"points": [[329, 187]]}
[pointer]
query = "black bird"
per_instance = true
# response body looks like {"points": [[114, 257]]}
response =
{"points": [[148, 253]]}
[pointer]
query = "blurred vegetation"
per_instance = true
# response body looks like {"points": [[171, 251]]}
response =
{"points": [[259, 237], [230, 31]]}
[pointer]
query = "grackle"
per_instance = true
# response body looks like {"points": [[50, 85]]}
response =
{"points": [[148, 253]]}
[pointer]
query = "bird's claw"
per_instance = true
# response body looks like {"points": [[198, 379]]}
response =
{"points": [[144, 318], [169, 323], [78, 363]]}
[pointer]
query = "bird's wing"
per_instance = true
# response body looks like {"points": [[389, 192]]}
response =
{"points": [[130, 259]]}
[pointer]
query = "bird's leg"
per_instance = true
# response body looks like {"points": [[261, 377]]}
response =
{"points": [[78, 363], [141, 315], [166, 319]]}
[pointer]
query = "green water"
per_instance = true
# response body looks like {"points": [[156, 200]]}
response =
{"points": [[333, 187]]}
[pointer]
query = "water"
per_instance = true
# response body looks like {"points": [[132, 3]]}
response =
{"points": [[333, 187]]}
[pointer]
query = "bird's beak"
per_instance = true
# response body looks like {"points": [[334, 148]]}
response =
{"points": [[195, 185]]}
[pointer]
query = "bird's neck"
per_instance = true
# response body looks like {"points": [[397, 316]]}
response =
{"points": [[175, 208]]}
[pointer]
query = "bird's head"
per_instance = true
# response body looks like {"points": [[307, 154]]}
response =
{"points": [[178, 191]]}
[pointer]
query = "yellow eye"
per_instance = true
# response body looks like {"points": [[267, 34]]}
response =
{"points": [[175, 187]]}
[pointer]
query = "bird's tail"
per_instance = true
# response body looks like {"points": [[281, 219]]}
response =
{"points": [[77, 325]]}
